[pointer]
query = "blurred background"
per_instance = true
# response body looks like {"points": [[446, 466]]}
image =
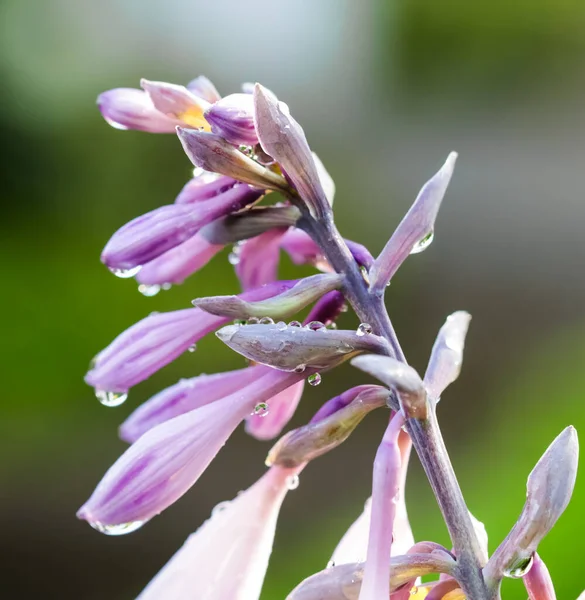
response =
{"points": [[384, 89]]}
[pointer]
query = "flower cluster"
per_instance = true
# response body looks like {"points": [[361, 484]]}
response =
{"points": [[258, 187]]}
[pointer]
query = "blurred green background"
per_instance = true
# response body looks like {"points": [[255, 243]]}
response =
{"points": [[384, 90]]}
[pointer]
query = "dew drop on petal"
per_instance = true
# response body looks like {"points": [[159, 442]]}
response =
{"points": [[363, 329], [111, 399], [314, 379], [299, 368], [218, 508], [292, 482], [166, 286], [520, 568], [315, 325], [281, 326], [125, 273], [253, 321], [295, 324], [261, 410], [266, 321], [121, 529], [149, 290], [233, 258], [192, 348], [330, 564], [240, 322], [423, 243]]}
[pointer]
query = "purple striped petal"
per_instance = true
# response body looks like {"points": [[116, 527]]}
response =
{"points": [[204, 186], [232, 118]]}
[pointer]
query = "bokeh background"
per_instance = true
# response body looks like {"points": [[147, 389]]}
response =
{"points": [[385, 89]]}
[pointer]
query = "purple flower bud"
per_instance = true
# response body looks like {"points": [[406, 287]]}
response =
{"points": [[538, 582], [204, 186], [548, 491], [282, 407], [177, 102], [176, 264], [415, 231], [284, 139], [319, 437], [129, 108], [150, 235], [296, 348], [183, 397], [399, 376], [284, 305], [338, 402], [203, 88], [168, 459], [256, 260], [157, 340], [232, 118], [212, 153], [327, 309], [245, 225], [447, 354]]}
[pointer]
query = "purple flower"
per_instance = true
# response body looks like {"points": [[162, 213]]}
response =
{"points": [[203, 186], [203, 88], [232, 118]]}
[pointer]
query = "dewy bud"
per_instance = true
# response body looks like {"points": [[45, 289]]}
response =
{"points": [[308, 442], [232, 118], [284, 139], [212, 153], [414, 231], [244, 225], [548, 491], [290, 348], [291, 301], [400, 377], [447, 354]]}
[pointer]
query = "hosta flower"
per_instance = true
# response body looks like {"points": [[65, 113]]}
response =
{"points": [[258, 187]]}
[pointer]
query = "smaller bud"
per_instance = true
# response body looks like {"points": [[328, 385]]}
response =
{"points": [[291, 301], [400, 377], [538, 582], [548, 491], [244, 225], [447, 354], [298, 348], [306, 443], [232, 118], [212, 153]]}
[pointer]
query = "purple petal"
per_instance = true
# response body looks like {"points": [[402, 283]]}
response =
{"points": [[202, 87], [176, 264], [338, 402], [284, 139], [129, 108], [204, 186], [167, 460], [414, 232], [538, 582], [258, 258], [281, 409], [183, 397], [232, 118]]}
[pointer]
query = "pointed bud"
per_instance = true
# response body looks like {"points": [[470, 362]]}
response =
{"points": [[414, 232], [212, 153], [538, 582], [548, 491], [244, 225], [296, 348], [203, 88], [284, 139], [288, 303], [317, 438], [232, 118], [447, 354], [400, 377], [177, 102]]}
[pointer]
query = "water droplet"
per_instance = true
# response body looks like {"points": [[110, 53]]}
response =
{"points": [[233, 258], [261, 409], [125, 273], [121, 529], [111, 398], [166, 286], [314, 379], [423, 243], [330, 564], [315, 325], [281, 326], [519, 568], [363, 329], [365, 275], [295, 324], [266, 321], [343, 308], [253, 321], [149, 290], [218, 508], [192, 348], [299, 368], [240, 322], [292, 482]]}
